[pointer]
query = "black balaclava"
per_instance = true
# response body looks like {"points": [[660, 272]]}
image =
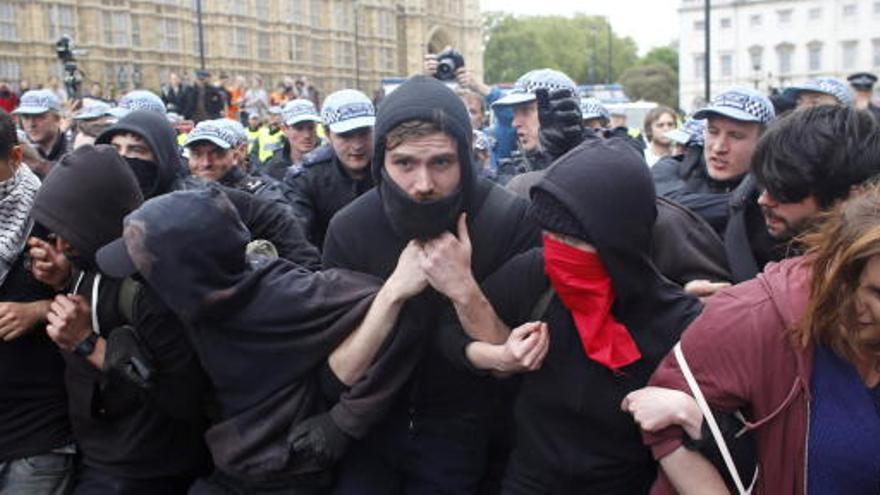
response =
{"points": [[423, 98], [155, 129]]}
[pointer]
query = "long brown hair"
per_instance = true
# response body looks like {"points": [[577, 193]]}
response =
{"points": [[840, 249]]}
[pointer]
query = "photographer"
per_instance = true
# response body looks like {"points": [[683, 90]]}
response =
{"points": [[477, 96]]}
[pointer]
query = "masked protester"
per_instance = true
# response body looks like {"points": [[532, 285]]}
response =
{"points": [[425, 181], [612, 318], [135, 388], [147, 143], [34, 428]]}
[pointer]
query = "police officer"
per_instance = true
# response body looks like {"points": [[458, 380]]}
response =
{"points": [[269, 139], [333, 176], [300, 137], [217, 153], [863, 84]]}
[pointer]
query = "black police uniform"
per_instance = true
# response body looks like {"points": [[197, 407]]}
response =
{"points": [[320, 187]]}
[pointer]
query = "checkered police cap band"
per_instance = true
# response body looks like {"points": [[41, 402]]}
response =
{"points": [[833, 87], [757, 106], [695, 129], [212, 129], [592, 108], [40, 99], [235, 128], [548, 79], [347, 111], [483, 141], [142, 100]]}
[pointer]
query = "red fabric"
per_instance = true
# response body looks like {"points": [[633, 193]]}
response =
{"points": [[585, 288], [9, 103]]}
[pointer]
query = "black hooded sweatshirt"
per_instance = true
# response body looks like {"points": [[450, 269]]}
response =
{"points": [[266, 219], [261, 333], [368, 236], [571, 433], [122, 430]]}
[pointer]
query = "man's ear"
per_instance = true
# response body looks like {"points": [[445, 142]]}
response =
{"points": [[15, 155]]}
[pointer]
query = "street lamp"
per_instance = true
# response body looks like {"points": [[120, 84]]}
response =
{"points": [[357, 51], [201, 35]]}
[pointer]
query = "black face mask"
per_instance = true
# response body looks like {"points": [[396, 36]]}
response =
{"points": [[147, 174], [421, 220]]}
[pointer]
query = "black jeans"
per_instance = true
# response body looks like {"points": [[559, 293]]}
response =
{"points": [[95, 481], [527, 476], [413, 455]]}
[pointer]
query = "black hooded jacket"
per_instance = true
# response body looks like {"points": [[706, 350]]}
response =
{"points": [[368, 236], [571, 433], [260, 333], [121, 429], [266, 219], [684, 179]]}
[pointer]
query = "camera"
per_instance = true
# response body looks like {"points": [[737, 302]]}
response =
{"points": [[73, 77], [448, 61]]}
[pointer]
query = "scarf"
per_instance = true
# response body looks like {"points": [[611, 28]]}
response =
{"points": [[583, 285], [411, 219], [17, 195]]}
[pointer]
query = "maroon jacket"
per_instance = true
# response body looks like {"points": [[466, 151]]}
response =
{"points": [[741, 352]]}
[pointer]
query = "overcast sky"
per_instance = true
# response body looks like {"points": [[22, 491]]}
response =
{"points": [[650, 22]]}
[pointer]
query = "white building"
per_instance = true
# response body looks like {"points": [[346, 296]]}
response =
{"points": [[775, 43]]}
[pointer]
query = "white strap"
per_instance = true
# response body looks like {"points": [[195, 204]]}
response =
{"points": [[710, 419], [95, 327]]}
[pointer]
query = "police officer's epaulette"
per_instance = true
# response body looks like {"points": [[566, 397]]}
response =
{"points": [[293, 172], [253, 184], [316, 156]]}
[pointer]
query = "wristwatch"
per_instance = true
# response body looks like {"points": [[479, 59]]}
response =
{"points": [[87, 346]]}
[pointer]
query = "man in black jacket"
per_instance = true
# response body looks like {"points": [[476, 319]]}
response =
{"points": [[135, 387], [203, 100], [36, 445], [334, 175], [435, 435]]}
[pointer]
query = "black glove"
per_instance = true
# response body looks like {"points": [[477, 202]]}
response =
{"points": [[128, 359], [562, 127], [320, 439]]}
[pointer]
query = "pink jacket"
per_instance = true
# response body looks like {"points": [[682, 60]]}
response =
{"points": [[742, 354]]}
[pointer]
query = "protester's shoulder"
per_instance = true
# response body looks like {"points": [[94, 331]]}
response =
{"points": [[521, 184]]}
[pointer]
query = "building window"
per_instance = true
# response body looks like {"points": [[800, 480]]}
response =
{"points": [[168, 34], [849, 54], [726, 23], [785, 54], [699, 25], [10, 70], [726, 65], [60, 20], [301, 48], [236, 7], [756, 55], [876, 45], [8, 30], [388, 59], [240, 43], [297, 11], [342, 13], [814, 56], [116, 31], [344, 54], [784, 16], [384, 23], [755, 20], [850, 10], [315, 12], [815, 13], [264, 53], [317, 52], [699, 65], [135, 33]]}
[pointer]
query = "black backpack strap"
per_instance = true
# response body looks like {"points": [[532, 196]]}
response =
{"points": [[128, 294]]}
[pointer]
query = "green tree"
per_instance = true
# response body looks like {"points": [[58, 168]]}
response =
{"points": [[575, 45], [653, 82], [665, 55]]}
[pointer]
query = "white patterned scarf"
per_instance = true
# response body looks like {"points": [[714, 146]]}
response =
{"points": [[16, 199]]}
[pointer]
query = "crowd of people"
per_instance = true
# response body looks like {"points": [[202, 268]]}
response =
{"points": [[453, 289]]}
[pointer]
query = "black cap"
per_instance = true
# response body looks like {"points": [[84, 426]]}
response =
{"points": [[862, 80], [113, 259]]}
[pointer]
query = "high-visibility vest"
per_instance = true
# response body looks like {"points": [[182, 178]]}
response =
{"points": [[253, 137], [268, 143]]}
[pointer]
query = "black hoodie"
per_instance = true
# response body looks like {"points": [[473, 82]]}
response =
{"points": [[368, 236], [571, 434], [122, 430], [260, 333], [266, 219]]}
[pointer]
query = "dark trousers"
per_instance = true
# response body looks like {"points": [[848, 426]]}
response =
{"points": [[95, 481], [219, 483], [408, 454], [528, 476]]}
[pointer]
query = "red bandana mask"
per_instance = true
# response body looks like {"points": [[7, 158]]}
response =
{"points": [[585, 288]]}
